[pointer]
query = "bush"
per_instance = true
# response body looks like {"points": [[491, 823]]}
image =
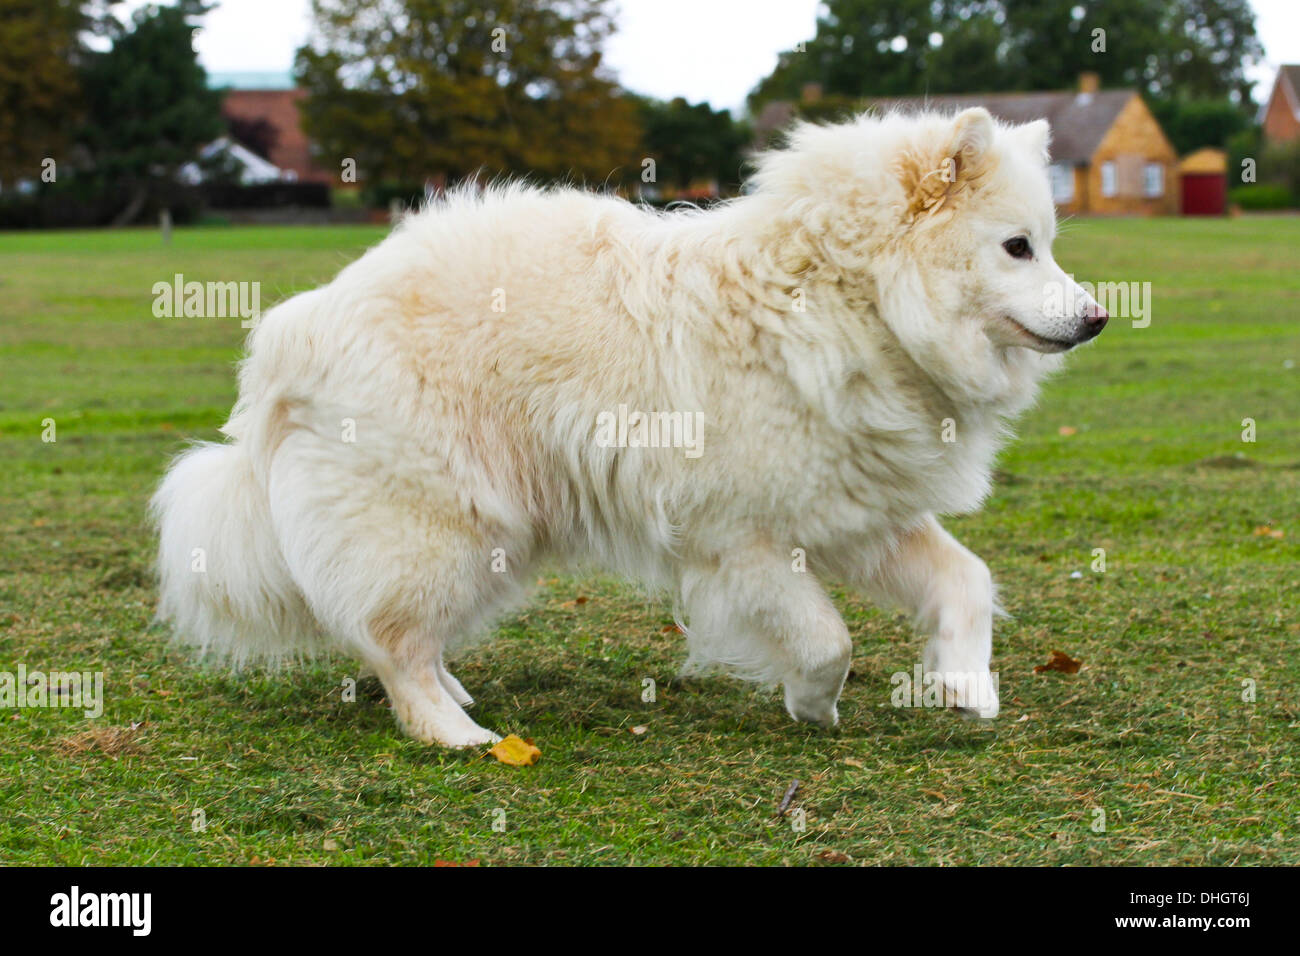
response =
{"points": [[1191, 124], [1248, 144], [1280, 165], [81, 202], [1256, 196], [223, 195], [379, 195]]}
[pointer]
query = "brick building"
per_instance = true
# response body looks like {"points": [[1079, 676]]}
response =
{"points": [[278, 109], [1281, 114]]}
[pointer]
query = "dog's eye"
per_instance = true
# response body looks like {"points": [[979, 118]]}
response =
{"points": [[1018, 248]]}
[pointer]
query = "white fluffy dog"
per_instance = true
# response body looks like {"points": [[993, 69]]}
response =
{"points": [[732, 405]]}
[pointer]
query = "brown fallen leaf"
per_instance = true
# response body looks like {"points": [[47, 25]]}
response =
{"points": [[1264, 531], [1059, 661], [833, 856], [1067, 430], [516, 752], [473, 862]]}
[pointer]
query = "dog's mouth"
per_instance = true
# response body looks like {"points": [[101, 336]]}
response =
{"points": [[1039, 342]]}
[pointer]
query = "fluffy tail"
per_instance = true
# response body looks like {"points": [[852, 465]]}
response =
{"points": [[224, 584]]}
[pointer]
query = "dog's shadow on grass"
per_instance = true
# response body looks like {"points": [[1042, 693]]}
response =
{"points": [[534, 698]]}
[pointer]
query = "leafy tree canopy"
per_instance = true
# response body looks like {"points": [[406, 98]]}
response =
{"points": [[1188, 49], [148, 105], [418, 89], [43, 43], [692, 142]]}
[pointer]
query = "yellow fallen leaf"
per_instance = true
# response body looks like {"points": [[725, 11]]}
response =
{"points": [[516, 752]]}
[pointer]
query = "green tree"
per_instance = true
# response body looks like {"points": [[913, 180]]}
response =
{"points": [[868, 47], [148, 105], [1194, 49], [42, 43], [412, 89], [1191, 124], [692, 142]]}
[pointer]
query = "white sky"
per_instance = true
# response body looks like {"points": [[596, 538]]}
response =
{"points": [[713, 50]]}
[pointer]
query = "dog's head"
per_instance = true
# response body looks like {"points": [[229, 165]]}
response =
{"points": [[943, 225], [980, 217]]}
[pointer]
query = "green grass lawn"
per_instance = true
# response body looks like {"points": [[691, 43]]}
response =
{"points": [[1153, 730]]}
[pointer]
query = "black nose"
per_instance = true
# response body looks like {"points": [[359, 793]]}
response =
{"points": [[1094, 320]]}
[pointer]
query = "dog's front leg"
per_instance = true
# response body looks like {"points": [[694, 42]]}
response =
{"points": [[950, 592]]}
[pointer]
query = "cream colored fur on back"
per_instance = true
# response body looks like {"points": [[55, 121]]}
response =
{"points": [[820, 325]]}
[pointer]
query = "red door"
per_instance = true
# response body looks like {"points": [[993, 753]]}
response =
{"points": [[1204, 194]]}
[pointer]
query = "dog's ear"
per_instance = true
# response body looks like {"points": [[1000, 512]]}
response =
{"points": [[930, 179], [972, 138], [1036, 137]]}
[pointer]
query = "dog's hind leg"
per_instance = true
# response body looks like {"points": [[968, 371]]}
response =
{"points": [[458, 693], [405, 639], [395, 575], [424, 706], [758, 616], [950, 592]]}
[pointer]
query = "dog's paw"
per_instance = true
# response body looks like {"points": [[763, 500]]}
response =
{"points": [[971, 713], [444, 728], [459, 739], [485, 738], [972, 695], [812, 708], [963, 674]]}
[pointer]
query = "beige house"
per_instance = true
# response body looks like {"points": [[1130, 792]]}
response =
{"points": [[1109, 155]]}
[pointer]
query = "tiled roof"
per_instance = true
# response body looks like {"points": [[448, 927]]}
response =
{"points": [[1079, 120], [1292, 71]]}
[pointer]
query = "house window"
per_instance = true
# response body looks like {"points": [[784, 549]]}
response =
{"points": [[1062, 182], [1153, 180], [1109, 180]]}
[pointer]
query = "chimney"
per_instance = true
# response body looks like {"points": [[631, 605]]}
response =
{"points": [[1089, 82]]}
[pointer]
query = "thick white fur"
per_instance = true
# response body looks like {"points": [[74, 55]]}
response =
{"points": [[826, 326]]}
